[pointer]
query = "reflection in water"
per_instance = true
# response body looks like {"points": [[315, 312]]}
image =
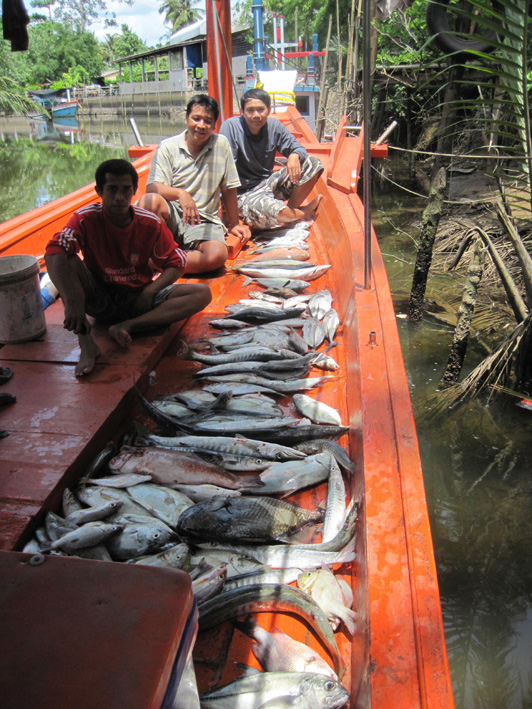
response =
{"points": [[477, 466], [42, 160]]}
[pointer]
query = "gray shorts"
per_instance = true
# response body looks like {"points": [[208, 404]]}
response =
{"points": [[112, 304], [188, 237], [260, 206]]}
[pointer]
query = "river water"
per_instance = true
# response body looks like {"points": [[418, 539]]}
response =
{"points": [[477, 462]]}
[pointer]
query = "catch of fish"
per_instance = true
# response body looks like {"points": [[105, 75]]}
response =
{"points": [[204, 487]]}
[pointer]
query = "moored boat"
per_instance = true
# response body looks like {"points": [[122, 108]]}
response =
{"points": [[395, 655], [65, 109]]}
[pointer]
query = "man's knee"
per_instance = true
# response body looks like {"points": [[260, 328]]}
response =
{"points": [[155, 203]]}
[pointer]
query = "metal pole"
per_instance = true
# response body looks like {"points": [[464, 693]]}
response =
{"points": [[258, 34], [366, 167], [136, 131]]}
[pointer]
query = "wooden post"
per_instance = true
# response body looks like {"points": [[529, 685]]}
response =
{"points": [[320, 118]]}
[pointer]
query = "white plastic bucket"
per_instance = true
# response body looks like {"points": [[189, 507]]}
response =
{"points": [[21, 310]]}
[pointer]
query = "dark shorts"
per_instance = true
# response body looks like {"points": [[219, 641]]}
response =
{"points": [[260, 206], [188, 237], [117, 304]]}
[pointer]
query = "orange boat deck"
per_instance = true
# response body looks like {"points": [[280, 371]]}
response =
{"points": [[397, 657]]}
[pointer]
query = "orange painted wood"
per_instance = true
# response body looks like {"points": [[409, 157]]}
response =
{"points": [[74, 634]]}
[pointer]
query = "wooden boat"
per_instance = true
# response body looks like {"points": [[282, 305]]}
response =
{"points": [[65, 109], [396, 656]]}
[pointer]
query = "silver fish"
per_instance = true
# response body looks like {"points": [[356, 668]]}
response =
{"points": [[237, 389], [330, 323], [138, 538], [263, 575], [236, 564], [320, 303], [244, 425], [96, 495], [93, 514], [296, 284], [173, 558], [326, 362], [227, 324], [305, 273], [70, 503], [234, 446], [86, 536], [336, 503], [331, 447], [162, 502], [117, 481], [203, 493], [209, 584], [287, 478], [317, 411], [242, 519], [242, 354], [313, 332]]}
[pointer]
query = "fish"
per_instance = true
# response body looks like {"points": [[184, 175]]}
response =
{"points": [[268, 314], [57, 526], [281, 292], [70, 503], [117, 481], [320, 303], [253, 407], [87, 535], [286, 253], [297, 343], [141, 535], [326, 362], [287, 478], [330, 323], [94, 495], [227, 323], [245, 519], [234, 446], [244, 425], [170, 467], [294, 284], [162, 502], [322, 586], [304, 273], [336, 507], [280, 386], [93, 514], [316, 411], [292, 435], [237, 389], [280, 690], [336, 450], [202, 493], [242, 354], [173, 558], [236, 564], [263, 575], [313, 332], [209, 584], [278, 652], [308, 556], [274, 598]]}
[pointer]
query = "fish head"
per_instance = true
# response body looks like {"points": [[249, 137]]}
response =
{"points": [[306, 579], [322, 691]]}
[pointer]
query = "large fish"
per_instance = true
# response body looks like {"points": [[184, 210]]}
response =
{"points": [[162, 502], [276, 598], [140, 535], [278, 652], [317, 411], [233, 446], [88, 535], [171, 467], [287, 478], [245, 519], [307, 274]]}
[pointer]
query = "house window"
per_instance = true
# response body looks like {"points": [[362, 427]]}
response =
{"points": [[302, 105]]}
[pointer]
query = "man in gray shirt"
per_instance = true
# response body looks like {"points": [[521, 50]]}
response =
{"points": [[266, 198]]}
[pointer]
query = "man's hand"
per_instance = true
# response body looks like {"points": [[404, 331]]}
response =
{"points": [[242, 231], [75, 319], [293, 165], [191, 215]]}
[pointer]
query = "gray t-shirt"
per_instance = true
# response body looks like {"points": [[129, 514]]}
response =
{"points": [[254, 155]]}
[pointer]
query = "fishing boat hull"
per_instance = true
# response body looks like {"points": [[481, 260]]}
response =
{"points": [[396, 656], [67, 109]]}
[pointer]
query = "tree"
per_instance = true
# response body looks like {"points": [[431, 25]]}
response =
{"points": [[79, 13], [179, 13]]}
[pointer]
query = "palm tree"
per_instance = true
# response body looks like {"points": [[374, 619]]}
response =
{"points": [[12, 98], [179, 13]]}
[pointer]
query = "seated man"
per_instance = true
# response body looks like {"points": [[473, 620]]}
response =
{"points": [[114, 282], [187, 175], [255, 138]]}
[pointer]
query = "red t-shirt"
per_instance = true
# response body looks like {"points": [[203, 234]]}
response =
{"points": [[119, 255]]}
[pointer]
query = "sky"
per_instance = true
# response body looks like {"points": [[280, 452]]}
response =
{"points": [[142, 17]]}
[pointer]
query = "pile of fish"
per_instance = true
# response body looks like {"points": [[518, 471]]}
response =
{"points": [[222, 461]]}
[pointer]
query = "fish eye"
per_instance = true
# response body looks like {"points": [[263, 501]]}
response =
{"points": [[329, 686]]}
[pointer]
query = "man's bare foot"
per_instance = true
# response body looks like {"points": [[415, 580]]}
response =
{"points": [[121, 335], [310, 210], [87, 358]]}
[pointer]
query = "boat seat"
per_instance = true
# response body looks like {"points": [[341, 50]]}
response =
{"points": [[90, 634]]}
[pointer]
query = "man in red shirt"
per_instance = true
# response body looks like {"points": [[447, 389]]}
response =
{"points": [[114, 281]]}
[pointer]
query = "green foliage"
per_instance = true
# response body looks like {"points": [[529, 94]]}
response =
{"points": [[121, 45], [75, 76], [78, 14], [12, 97], [403, 37], [179, 13]]}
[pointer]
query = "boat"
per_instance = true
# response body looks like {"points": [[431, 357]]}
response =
{"points": [[59, 426], [66, 109]]}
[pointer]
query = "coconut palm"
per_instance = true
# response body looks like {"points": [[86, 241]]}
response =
{"points": [[179, 13], [12, 99]]}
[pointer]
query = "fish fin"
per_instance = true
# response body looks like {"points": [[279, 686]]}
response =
{"points": [[279, 703], [247, 281], [247, 670], [349, 620]]}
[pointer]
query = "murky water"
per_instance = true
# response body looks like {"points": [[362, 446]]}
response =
{"points": [[477, 463], [477, 469]]}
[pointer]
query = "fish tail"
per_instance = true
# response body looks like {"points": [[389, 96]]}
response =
{"points": [[246, 626]]}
